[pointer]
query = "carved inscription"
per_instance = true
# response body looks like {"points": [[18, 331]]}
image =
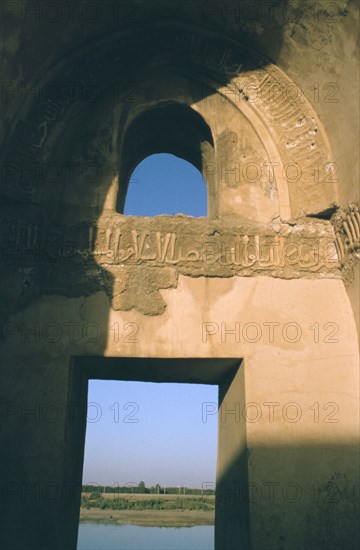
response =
{"points": [[192, 249], [236, 251], [133, 259]]}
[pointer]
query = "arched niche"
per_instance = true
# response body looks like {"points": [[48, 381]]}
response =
{"points": [[234, 152], [284, 129], [168, 127]]}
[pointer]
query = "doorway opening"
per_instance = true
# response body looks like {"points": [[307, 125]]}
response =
{"points": [[150, 458], [231, 504]]}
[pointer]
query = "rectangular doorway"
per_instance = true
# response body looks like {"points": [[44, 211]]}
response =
{"points": [[231, 505]]}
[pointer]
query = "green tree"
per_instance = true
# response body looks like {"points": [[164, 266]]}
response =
{"points": [[141, 487]]}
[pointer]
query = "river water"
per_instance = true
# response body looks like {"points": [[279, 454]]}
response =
{"points": [[98, 536]]}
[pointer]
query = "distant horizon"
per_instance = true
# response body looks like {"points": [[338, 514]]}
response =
{"points": [[114, 486]]}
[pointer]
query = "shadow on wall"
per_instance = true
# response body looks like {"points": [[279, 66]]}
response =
{"points": [[296, 499]]}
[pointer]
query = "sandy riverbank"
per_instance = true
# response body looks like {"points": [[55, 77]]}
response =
{"points": [[148, 518]]}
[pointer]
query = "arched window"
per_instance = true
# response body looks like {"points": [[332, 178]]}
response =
{"points": [[166, 184], [165, 151]]}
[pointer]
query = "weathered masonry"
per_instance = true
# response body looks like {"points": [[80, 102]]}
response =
{"points": [[261, 297]]}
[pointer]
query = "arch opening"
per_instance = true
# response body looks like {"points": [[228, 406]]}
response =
{"points": [[169, 128]]}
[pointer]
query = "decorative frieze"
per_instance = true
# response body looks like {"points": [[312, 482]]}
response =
{"points": [[346, 223], [191, 247]]}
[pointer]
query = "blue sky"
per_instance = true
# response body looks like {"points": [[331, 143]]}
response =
{"points": [[165, 184], [145, 431]]}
